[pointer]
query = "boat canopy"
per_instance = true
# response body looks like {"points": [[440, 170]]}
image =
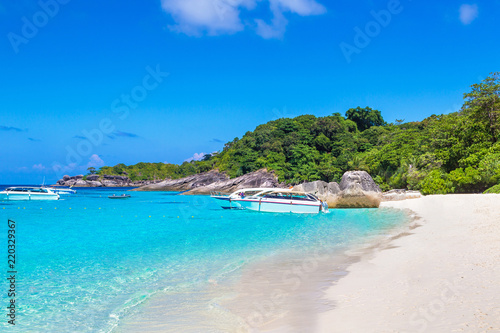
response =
{"points": [[276, 192], [26, 189]]}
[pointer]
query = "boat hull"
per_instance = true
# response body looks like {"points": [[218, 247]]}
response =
{"points": [[64, 192], [280, 206], [119, 197], [227, 203], [28, 196]]}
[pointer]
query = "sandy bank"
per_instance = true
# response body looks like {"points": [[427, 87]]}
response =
{"points": [[444, 277]]}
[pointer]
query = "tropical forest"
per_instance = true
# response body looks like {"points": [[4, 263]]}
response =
{"points": [[449, 153]]}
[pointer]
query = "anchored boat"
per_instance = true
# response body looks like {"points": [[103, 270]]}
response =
{"points": [[123, 196], [61, 190], [28, 193], [274, 200]]}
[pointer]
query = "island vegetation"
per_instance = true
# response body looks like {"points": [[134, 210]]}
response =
{"points": [[451, 153]]}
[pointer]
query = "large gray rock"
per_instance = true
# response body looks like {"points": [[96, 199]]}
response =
{"points": [[110, 183], [356, 190], [359, 190], [355, 197], [333, 188], [186, 183], [316, 187], [359, 177], [70, 182], [93, 178], [256, 179], [117, 179], [81, 182], [66, 178], [327, 192]]}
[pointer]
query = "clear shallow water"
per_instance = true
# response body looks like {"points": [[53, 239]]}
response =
{"points": [[87, 263]]}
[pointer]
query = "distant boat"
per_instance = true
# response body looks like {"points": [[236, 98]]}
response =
{"points": [[28, 193], [123, 196], [274, 200]]}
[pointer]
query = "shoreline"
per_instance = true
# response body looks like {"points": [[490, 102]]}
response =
{"points": [[284, 293], [442, 277], [308, 301]]}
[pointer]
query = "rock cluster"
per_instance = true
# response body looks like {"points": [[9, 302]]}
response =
{"points": [[357, 189], [327, 192], [259, 178], [213, 180], [72, 181], [100, 181], [187, 183]]}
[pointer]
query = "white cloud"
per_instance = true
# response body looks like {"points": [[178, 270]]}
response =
{"points": [[217, 17], [196, 157], [72, 168], [301, 7], [468, 13], [38, 167], [276, 29], [95, 161], [57, 167], [213, 16]]}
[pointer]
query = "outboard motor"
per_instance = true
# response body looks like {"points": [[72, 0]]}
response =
{"points": [[324, 207]]}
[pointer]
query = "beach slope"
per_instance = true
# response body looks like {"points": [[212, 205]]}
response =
{"points": [[442, 277]]}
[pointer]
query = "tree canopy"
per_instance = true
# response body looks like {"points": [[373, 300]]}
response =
{"points": [[482, 105], [365, 117]]}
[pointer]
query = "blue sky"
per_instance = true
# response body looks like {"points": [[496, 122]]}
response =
{"points": [[162, 80]]}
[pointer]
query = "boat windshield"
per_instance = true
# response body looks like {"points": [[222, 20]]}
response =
{"points": [[39, 190], [26, 189], [313, 197], [250, 193], [18, 189], [288, 196]]}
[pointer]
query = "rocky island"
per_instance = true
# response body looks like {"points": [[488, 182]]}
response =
{"points": [[101, 181]]}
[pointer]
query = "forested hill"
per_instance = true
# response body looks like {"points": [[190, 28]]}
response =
{"points": [[453, 153]]}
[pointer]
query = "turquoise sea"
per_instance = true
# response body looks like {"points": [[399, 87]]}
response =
{"points": [[158, 261]]}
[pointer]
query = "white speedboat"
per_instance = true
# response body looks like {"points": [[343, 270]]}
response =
{"points": [[274, 200], [228, 201], [28, 193], [62, 190]]}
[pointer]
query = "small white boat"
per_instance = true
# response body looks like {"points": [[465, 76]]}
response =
{"points": [[28, 193], [123, 196], [62, 190], [274, 200]]}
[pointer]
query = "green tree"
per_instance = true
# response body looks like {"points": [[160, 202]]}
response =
{"points": [[482, 104], [322, 143], [91, 170], [365, 117]]}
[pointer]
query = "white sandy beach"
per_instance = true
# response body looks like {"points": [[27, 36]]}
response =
{"points": [[444, 277]]}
